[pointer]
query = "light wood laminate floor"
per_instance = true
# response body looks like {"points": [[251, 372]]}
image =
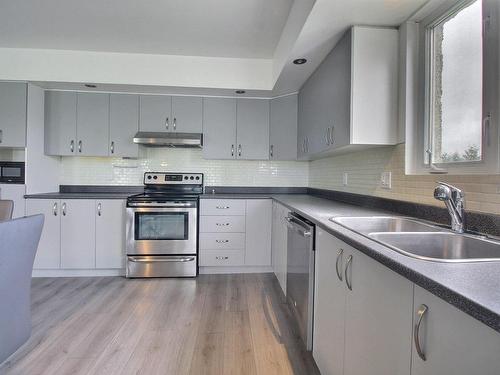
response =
{"points": [[214, 324]]}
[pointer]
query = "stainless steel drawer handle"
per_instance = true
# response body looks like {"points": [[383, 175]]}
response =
{"points": [[112, 148], [72, 146], [222, 241], [79, 146], [54, 209], [175, 123], [222, 207], [416, 334], [64, 209], [99, 207], [232, 150], [271, 151], [166, 123], [222, 258], [222, 224], [347, 265], [161, 260], [339, 263], [239, 150]]}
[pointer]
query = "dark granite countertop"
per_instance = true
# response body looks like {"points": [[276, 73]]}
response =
{"points": [[55, 195], [472, 287]]}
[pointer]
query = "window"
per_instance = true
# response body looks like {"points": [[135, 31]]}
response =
{"points": [[450, 103], [456, 84]]}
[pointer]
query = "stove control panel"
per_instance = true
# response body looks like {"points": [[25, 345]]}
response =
{"points": [[162, 178]]}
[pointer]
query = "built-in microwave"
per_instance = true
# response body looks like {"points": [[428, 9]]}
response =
{"points": [[11, 172]]}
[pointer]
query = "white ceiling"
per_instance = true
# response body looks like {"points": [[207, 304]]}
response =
{"points": [[218, 28]]}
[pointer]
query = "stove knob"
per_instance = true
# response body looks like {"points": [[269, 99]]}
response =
{"points": [[191, 178], [197, 177], [186, 177], [149, 177], [155, 177]]}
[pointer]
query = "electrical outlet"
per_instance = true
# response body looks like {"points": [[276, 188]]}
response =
{"points": [[386, 180], [345, 176]]}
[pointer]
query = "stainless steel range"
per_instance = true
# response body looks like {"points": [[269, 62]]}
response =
{"points": [[162, 226]]}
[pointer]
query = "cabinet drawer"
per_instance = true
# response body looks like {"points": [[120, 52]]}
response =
{"points": [[221, 224], [222, 258], [215, 241], [223, 207]]}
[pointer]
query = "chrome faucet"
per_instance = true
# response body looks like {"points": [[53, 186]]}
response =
{"points": [[453, 198]]}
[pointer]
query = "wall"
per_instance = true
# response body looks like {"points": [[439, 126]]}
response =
{"points": [[482, 193], [117, 171]]}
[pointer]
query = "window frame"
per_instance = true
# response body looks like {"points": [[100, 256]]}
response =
{"points": [[419, 161]]}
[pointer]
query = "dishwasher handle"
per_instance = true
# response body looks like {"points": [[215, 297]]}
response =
{"points": [[300, 227]]}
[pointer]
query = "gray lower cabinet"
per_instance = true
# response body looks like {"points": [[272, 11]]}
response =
{"points": [[219, 128], [452, 342], [60, 123], [279, 243], [77, 234], [123, 125], [187, 114], [92, 124], [283, 128], [48, 254], [258, 232], [13, 114], [110, 233], [362, 313], [155, 113], [252, 129]]}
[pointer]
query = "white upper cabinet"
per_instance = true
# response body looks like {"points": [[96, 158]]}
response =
{"points": [[155, 113], [123, 125], [283, 128], [187, 114], [13, 114], [219, 128], [92, 124], [60, 123], [351, 99], [252, 129]]}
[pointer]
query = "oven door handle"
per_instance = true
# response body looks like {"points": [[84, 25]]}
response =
{"points": [[161, 205], [160, 260]]}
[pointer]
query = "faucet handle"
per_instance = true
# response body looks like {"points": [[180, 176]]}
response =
{"points": [[454, 189]]}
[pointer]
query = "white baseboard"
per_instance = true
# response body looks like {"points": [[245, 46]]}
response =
{"points": [[78, 273], [237, 269]]}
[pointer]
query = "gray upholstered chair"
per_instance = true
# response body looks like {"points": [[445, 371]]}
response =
{"points": [[18, 243], [6, 208]]}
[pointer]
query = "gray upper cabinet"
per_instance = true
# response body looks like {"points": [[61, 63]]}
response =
{"points": [[344, 103], [187, 113], [13, 114], [252, 129], [219, 128], [155, 113], [283, 128], [92, 124], [60, 123], [123, 125]]}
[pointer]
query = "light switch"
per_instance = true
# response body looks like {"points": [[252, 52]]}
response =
{"points": [[386, 180]]}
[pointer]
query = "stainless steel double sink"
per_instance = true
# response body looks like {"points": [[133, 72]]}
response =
{"points": [[420, 240]]}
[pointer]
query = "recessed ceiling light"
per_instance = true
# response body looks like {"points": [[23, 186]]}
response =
{"points": [[90, 85], [299, 61], [240, 92]]}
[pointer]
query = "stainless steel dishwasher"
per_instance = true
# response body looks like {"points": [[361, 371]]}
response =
{"points": [[300, 274]]}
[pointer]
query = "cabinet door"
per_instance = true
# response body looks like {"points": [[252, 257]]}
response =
{"points": [[12, 114], [155, 113], [123, 125], [219, 128], [258, 232], [78, 233], [283, 128], [378, 319], [14, 193], [282, 245], [252, 129], [187, 114], [453, 342], [48, 254], [60, 123], [274, 240], [110, 233], [92, 124], [329, 306]]}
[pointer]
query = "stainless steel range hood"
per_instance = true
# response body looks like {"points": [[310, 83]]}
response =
{"points": [[164, 139]]}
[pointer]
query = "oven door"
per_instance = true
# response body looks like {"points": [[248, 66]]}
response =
{"points": [[161, 230]]}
